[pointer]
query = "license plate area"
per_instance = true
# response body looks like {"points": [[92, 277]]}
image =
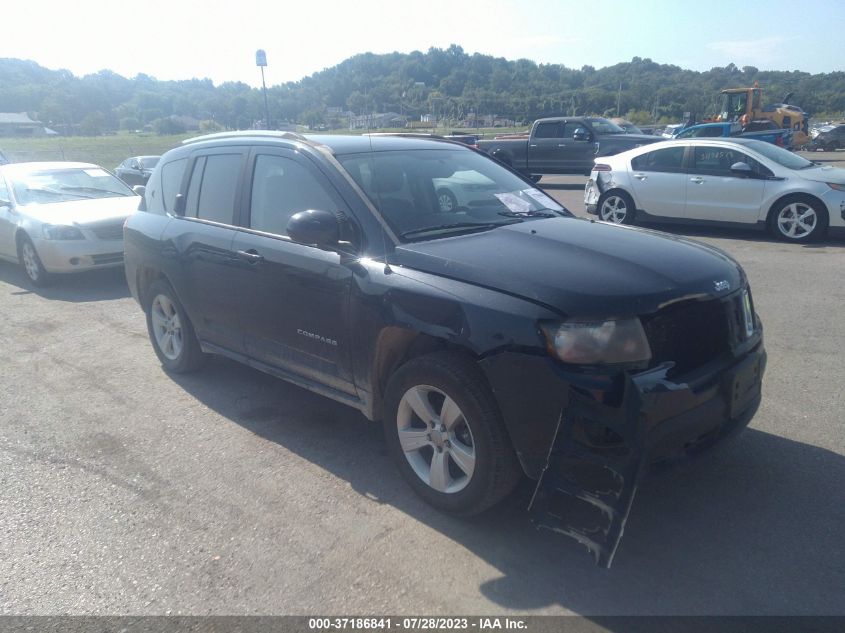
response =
{"points": [[743, 384]]}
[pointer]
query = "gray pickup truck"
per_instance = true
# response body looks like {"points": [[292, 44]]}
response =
{"points": [[564, 145]]}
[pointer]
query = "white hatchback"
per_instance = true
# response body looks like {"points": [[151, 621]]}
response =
{"points": [[737, 182]]}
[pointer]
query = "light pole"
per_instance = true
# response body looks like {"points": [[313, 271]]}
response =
{"points": [[261, 62]]}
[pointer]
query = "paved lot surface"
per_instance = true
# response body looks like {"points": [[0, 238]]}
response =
{"points": [[127, 491]]}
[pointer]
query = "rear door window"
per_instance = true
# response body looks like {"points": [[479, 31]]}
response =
{"points": [[213, 188], [548, 129], [669, 159]]}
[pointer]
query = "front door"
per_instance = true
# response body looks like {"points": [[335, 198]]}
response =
{"points": [[714, 193], [294, 298]]}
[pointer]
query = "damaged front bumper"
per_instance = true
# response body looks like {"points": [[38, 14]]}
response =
{"points": [[587, 439]]}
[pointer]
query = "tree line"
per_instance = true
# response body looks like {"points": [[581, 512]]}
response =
{"points": [[451, 83]]}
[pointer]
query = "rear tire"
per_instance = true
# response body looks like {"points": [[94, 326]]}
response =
{"points": [[30, 263], [171, 332], [798, 219], [445, 432], [615, 206]]}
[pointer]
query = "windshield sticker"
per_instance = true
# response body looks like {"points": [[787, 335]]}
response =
{"points": [[543, 199], [514, 203], [95, 173]]}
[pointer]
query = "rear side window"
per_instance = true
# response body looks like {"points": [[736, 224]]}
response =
{"points": [[282, 187], [171, 181], [549, 129], [214, 182], [669, 159]]}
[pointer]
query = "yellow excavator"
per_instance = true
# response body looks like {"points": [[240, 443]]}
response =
{"points": [[746, 104]]}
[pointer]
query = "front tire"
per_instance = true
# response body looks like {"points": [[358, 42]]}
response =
{"points": [[798, 219], [831, 147], [445, 432], [171, 332], [615, 206], [30, 263]]}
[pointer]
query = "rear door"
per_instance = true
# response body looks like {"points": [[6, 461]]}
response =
{"points": [[203, 267], [544, 153], [293, 298], [660, 182], [714, 193]]}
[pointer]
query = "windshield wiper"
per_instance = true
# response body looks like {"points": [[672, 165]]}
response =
{"points": [[529, 214], [455, 226], [92, 189], [58, 193]]}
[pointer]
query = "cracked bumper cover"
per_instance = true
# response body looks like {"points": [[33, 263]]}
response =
{"points": [[535, 393]]}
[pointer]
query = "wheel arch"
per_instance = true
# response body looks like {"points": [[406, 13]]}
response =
{"points": [[796, 194], [394, 347], [145, 276], [619, 189]]}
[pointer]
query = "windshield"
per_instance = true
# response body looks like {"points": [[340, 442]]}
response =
{"points": [[148, 162], [781, 156], [603, 126], [63, 185], [424, 194], [733, 105]]}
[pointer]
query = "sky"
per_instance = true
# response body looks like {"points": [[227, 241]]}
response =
{"points": [[217, 39]]}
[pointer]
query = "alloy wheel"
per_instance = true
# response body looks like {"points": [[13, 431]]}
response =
{"points": [[436, 439], [30, 261], [614, 209], [797, 220], [167, 327]]}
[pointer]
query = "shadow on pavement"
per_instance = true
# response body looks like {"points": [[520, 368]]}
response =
{"points": [[95, 285], [754, 527]]}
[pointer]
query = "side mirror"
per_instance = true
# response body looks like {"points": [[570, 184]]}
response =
{"points": [[581, 134], [320, 228], [136, 166], [742, 169], [179, 205], [139, 189]]}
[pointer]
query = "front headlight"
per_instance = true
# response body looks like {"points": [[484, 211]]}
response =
{"points": [[601, 343], [61, 232], [836, 185]]}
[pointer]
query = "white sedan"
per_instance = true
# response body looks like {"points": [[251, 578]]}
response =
{"points": [[62, 217], [737, 182]]}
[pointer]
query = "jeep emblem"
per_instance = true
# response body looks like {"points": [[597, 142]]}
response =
{"points": [[722, 285]]}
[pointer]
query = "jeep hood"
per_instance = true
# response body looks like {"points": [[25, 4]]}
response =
{"points": [[578, 267]]}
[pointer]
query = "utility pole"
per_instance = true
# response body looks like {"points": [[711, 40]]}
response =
{"points": [[261, 62], [618, 98]]}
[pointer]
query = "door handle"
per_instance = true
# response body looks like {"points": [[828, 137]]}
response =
{"points": [[640, 176], [561, 145], [697, 180], [533, 145], [252, 256]]}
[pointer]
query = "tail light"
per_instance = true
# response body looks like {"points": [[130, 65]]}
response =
{"points": [[779, 141], [601, 167]]}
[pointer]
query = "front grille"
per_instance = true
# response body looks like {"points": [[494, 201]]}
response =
{"points": [[108, 231], [107, 258], [690, 334]]}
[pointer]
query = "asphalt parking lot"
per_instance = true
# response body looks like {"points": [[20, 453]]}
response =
{"points": [[124, 490]]}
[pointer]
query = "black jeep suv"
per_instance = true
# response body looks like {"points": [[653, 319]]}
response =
{"points": [[501, 337]]}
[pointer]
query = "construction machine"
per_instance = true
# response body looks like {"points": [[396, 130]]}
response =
{"points": [[745, 105]]}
